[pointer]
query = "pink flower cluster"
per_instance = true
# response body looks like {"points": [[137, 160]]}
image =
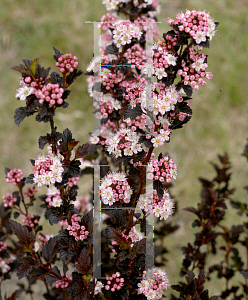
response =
{"points": [[166, 100], [195, 72], [9, 200], [154, 286], [135, 56], [50, 93], [72, 181], [30, 220], [14, 176], [30, 192], [107, 21], [67, 63], [114, 282], [124, 31], [163, 168], [162, 209], [83, 203], [48, 169], [162, 57], [108, 104], [141, 22], [76, 230], [197, 24], [53, 197], [2, 246], [135, 235], [114, 187], [138, 122], [63, 283]]}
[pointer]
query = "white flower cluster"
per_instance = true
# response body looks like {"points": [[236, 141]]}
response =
{"points": [[114, 187], [125, 141], [168, 101], [124, 31], [154, 283], [110, 100], [24, 92], [161, 208], [112, 4], [135, 235], [48, 170]]}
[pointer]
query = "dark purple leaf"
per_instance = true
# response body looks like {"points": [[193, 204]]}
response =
{"points": [[83, 264], [25, 265], [49, 249], [25, 237]]}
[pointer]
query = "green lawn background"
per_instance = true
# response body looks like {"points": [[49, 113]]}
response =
{"points": [[29, 29]]}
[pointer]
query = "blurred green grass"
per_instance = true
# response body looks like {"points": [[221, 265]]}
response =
{"points": [[219, 124]]}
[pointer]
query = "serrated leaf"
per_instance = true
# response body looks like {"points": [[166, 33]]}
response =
{"points": [[50, 279], [72, 76], [82, 150], [33, 66], [83, 264], [66, 136], [16, 214], [74, 168], [132, 113], [43, 140], [119, 238], [7, 170], [56, 78], [111, 49], [30, 179], [57, 53], [72, 145], [25, 265], [49, 249], [25, 237], [87, 221], [188, 90], [20, 114]]}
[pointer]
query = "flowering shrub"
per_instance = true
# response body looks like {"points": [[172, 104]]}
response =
{"points": [[136, 117]]}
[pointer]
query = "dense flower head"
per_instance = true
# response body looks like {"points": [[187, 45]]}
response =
{"points": [[63, 283], [162, 209], [14, 176], [142, 23], [124, 31], [123, 143], [9, 200], [166, 100], [50, 93], [47, 170], [2, 246], [31, 220], [53, 197], [83, 203], [67, 63], [30, 192], [114, 282], [108, 102], [107, 21], [163, 169], [198, 24], [72, 181], [153, 284], [114, 187], [76, 229]]}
